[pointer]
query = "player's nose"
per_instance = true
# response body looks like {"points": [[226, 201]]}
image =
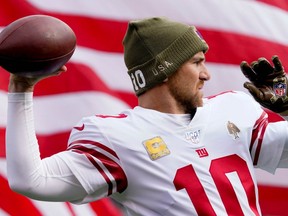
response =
{"points": [[205, 74]]}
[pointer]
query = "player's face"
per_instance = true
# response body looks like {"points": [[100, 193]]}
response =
{"points": [[186, 84]]}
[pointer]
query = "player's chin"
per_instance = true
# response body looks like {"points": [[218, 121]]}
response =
{"points": [[199, 99], [200, 103], [196, 102]]}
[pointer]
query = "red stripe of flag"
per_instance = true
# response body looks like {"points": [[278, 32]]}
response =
{"points": [[282, 4], [107, 35]]}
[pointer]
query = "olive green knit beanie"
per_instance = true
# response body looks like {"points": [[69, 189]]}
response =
{"points": [[155, 48]]}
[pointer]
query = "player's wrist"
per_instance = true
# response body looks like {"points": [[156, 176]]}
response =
{"points": [[19, 96], [20, 85]]}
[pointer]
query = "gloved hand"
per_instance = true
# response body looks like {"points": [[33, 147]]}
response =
{"points": [[268, 84]]}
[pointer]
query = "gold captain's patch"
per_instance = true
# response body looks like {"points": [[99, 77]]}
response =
{"points": [[156, 148]]}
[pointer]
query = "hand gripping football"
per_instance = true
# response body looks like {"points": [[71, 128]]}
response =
{"points": [[36, 45]]}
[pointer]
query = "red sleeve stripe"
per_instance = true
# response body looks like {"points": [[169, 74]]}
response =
{"points": [[90, 158], [99, 145], [257, 136], [260, 140], [256, 129], [114, 168]]}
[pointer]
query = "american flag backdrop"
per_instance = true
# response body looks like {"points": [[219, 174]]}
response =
{"points": [[97, 83]]}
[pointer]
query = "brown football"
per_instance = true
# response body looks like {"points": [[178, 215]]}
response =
{"points": [[36, 45]]}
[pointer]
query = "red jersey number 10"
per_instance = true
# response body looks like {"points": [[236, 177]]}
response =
{"points": [[186, 178]]}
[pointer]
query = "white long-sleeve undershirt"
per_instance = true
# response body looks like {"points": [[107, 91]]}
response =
{"points": [[48, 179]]}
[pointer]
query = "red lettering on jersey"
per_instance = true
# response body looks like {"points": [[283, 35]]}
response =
{"points": [[187, 178], [112, 116], [202, 152]]}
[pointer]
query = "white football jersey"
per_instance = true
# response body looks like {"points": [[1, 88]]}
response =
{"points": [[166, 164]]}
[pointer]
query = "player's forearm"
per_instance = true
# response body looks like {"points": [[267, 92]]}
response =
{"points": [[48, 179], [22, 151]]}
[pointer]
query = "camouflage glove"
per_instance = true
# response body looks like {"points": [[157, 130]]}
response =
{"points": [[268, 84]]}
